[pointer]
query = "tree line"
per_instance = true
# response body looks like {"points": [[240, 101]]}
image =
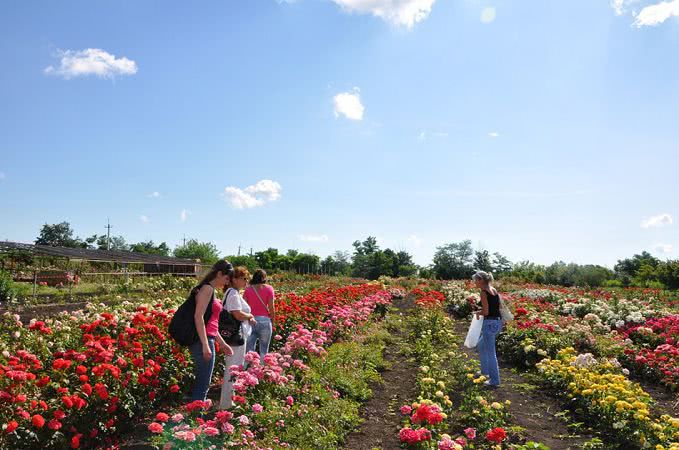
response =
{"points": [[457, 260]]}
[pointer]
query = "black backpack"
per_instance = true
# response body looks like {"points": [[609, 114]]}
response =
{"points": [[229, 326], [182, 327]]}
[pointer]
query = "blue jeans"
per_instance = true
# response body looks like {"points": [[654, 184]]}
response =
{"points": [[202, 369], [486, 348], [262, 332]]}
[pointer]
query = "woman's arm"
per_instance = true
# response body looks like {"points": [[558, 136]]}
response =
{"points": [[484, 303], [242, 316], [203, 299], [226, 348]]}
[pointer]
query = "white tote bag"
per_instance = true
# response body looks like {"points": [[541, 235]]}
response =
{"points": [[474, 332]]}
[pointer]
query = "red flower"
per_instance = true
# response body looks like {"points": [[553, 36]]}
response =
{"points": [[162, 417], [496, 435], [87, 389], [54, 424], [38, 421], [11, 426], [174, 388], [155, 427], [75, 441], [59, 414]]}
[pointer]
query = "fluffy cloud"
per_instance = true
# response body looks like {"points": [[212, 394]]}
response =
{"points": [[144, 219], [487, 15], [493, 134], [398, 12], [313, 238], [657, 14], [183, 215], [618, 6], [154, 194], [657, 221], [258, 194], [92, 61], [663, 248], [349, 105]]}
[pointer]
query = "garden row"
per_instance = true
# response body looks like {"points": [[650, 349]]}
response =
{"points": [[76, 380], [584, 348]]}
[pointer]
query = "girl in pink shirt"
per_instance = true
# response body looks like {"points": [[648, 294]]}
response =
{"points": [[261, 298]]}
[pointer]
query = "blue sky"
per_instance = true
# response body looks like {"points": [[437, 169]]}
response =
{"points": [[543, 130]]}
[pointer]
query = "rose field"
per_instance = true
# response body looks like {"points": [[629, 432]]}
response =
{"points": [[354, 365]]}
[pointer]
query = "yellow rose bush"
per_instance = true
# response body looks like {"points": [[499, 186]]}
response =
{"points": [[609, 398]]}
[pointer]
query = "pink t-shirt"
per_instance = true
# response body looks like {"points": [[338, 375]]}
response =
{"points": [[212, 325], [266, 292]]}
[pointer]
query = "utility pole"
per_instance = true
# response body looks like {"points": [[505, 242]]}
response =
{"points": [[250, 251], [238, 249], [184, 244], [108, 234]]}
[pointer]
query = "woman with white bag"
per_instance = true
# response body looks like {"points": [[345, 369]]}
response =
{"points": [[492, 325]]}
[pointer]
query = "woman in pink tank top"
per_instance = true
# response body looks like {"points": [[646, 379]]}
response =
{"points": [[203, 350], [261, 298]]}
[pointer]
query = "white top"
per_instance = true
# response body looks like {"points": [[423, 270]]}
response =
{"points": [[235, 302]]}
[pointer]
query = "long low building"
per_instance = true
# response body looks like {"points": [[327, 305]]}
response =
{"points": [[152, 263]]}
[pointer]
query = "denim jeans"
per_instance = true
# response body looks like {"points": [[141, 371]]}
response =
{"points": [[486, 348], [262, 332], [202, 369]]}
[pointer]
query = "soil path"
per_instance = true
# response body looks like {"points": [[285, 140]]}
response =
{"points": [[542, 417], [382, 420]]}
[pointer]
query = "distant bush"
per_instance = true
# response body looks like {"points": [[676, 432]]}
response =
{"points": [[7, 289]]}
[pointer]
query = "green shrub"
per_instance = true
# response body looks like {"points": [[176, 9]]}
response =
{"points": [[7, 289]]}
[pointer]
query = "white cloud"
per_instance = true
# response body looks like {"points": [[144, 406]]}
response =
{"points": [[313, 238], [663, 248], [183, 215], [415, 240], [657, 14], [144, 219], [423, 136], [154, 194], [657, 221], [92, 61], [398, 12], [258, 194], [618, 6], [493, 134], [349, 105], [488, 15]]}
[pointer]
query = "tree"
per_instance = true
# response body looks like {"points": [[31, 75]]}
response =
{"points": [[101, 242], [151, 248], [59, 235], [501, 264], [668, 273], [305, 263], [454, 261], [528, 271], [342, 262], [482, 261], [206, 252], [626, 269]]}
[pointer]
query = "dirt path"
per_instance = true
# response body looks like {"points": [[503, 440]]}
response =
{"points": [[382, 419], [542, 417]]}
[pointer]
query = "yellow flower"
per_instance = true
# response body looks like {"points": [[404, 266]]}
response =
{"points": [[496, 405], [439, 394]]}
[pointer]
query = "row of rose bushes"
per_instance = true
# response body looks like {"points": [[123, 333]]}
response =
{"points": [[604, 394], [76, 380], [642, 334], [306, 395], [452, 410]]}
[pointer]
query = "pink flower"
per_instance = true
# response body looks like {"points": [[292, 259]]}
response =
{"points": [[243, 420], [289, 400], [210, 431], [187, 436], [278, 337], [470, 433], [406, 410], [257, 408], [227, 428], [177, 417]]}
